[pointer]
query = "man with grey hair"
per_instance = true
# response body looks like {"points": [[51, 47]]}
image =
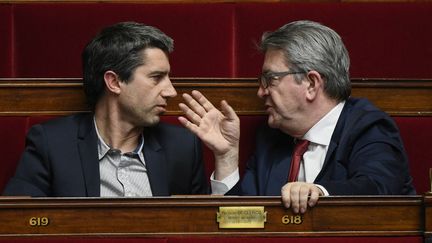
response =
{"points": [[120, 148], [319, 141]]}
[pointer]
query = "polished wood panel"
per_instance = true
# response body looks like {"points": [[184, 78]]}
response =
{"points": [[196, 215], [428, 215], [65, 96]]}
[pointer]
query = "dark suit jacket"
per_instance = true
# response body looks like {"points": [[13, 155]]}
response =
{"points": [[365, 157], [61, 160]]}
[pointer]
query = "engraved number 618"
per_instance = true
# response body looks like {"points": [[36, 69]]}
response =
{"points": [[290, 219]]}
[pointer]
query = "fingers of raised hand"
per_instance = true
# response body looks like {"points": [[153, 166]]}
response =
{"points": [[228, 111], [190, 115], [202, 100], [189, 125], [193, 105]]}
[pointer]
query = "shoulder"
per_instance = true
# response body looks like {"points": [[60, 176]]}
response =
{"points": [[71, 120], [361, 120], [361, 111], [63, 126]]}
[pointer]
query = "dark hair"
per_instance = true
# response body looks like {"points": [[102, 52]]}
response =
{"points": [[309, 45], [118, 48]]}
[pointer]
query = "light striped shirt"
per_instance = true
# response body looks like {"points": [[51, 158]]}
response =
{"points": [[122, 174]]}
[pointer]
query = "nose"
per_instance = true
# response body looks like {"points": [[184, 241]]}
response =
{"points": [[262, 92], [169, 91]]}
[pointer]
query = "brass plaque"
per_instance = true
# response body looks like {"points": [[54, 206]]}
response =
{"points": [[241, 217]]}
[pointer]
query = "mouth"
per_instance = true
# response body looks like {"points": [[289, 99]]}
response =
{"points": [[161, 108], [268, 108]]}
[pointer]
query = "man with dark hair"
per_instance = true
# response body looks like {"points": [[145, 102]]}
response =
{"points": [[319, 141], [120, 148]]}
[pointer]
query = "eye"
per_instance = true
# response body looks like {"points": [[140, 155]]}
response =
{"points": [[157, 77], [273, 79]]}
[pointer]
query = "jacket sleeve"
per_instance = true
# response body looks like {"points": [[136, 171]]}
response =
{"points": [[248, 185]]}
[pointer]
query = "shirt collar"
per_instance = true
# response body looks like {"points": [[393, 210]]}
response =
{"points": [[104, 148], [322, 131]]}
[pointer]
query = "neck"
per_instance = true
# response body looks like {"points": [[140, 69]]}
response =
{"points": [[115, 132]]}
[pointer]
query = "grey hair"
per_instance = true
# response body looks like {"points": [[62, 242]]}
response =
{"points": [[308, 46]]}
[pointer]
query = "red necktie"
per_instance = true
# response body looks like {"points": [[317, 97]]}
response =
{"points": [[299, 149]]}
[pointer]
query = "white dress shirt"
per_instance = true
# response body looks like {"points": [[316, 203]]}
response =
{"points": [[319, 137]]}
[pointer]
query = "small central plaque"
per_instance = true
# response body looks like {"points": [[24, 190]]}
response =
{"points": [[241, 217]]}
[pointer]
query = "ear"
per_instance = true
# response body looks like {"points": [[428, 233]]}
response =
{"points": [[112, 82], [316, 85]]}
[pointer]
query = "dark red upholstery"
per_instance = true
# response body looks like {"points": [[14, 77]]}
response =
{"points": [[6, 41], [385, 40], [12, 133], [50, 37], [416, 134]]}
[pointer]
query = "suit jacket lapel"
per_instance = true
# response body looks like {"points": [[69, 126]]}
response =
{"points": [[330, 155], [279, 169], [156, 164], [278, 177], [334, 142], [87, 147]]}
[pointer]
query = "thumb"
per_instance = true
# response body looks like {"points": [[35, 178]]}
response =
{"points": [[228, 111]]}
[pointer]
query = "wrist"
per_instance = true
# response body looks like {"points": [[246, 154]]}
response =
{"points": [[226, 164]]}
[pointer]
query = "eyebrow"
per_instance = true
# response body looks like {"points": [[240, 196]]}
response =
{"points": [[159, 73], [269, 71]]}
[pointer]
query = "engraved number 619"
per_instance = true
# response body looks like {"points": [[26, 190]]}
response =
{"points": [[38, 221], [290, 219]]}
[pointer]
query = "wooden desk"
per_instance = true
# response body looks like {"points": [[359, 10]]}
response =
{"points": [[196, 216]]}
